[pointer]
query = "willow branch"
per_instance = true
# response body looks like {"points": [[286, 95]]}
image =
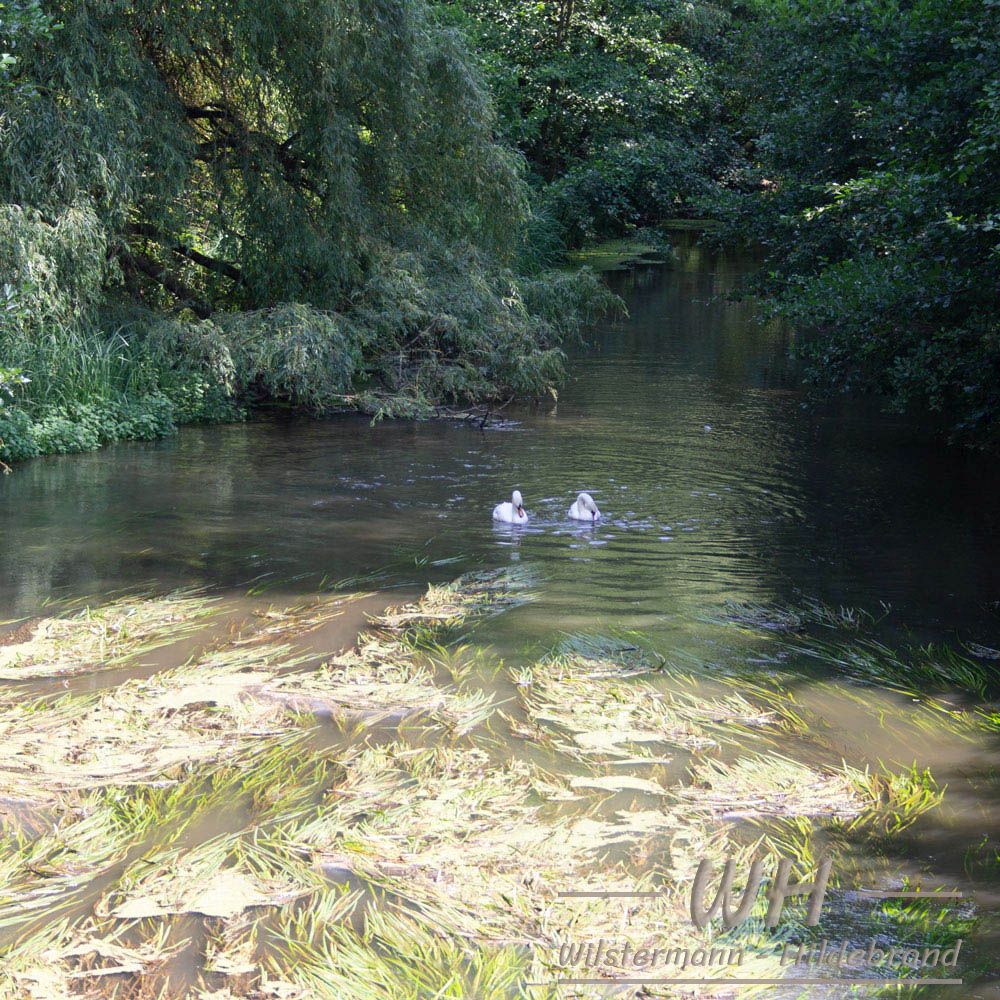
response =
{"points": [[222, 267], [146, 265]]}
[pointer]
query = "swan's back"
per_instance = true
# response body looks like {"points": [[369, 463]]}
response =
{"points": [[584, 508], [508, 514]]}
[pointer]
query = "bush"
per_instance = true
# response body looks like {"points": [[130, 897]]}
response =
{"points": [[17, 436], [197, 399], [878, 130], [628, 186], [86, 426], [77, 427]]}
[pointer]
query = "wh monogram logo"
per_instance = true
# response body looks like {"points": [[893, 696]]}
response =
{"points": [[778, 892]]}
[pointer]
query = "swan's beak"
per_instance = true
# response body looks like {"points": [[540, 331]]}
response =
{"points": [[520, 512]]}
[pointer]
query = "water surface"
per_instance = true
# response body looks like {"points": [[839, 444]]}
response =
{"points": [[685, 422], [718, 480]]}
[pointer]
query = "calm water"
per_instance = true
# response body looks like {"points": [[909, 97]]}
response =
{"points": [[774, 502], [685, 422]]}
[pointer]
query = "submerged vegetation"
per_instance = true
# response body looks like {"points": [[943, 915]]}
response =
{"points": [[915, 669], [195, 833]]}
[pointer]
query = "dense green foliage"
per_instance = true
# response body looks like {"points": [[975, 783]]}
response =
{"points": [[877, 123], [856, 141], [617, 105], [204, 207], [300, 202]]}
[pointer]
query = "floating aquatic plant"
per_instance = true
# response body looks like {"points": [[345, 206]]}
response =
{"points": [[219, 878], [288, 623], [918, 670], [464, 848], [382, 869], [69, 960], [50, 863], [103, 636], [471, 596], [775, 785], [771, 785], [140, 730], [379, 677], [397, 957], [626, 718], [144, 728]]}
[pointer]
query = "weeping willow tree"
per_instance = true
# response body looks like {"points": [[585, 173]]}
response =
{"points": [[298, 200]]}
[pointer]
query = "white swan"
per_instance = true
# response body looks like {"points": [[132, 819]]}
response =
{"points": [[513, 512], [584, 509]]}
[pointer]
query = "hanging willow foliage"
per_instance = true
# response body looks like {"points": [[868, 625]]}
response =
{"points": [[313, 188]]}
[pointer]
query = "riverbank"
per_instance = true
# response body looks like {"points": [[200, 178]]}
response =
{"points": [[144, 384], [73, 391]]}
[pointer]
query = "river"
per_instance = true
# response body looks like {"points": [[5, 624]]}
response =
{"points": [[720, 483]]}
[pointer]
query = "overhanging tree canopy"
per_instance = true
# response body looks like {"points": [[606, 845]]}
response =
{"points": [[221, 161]]}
